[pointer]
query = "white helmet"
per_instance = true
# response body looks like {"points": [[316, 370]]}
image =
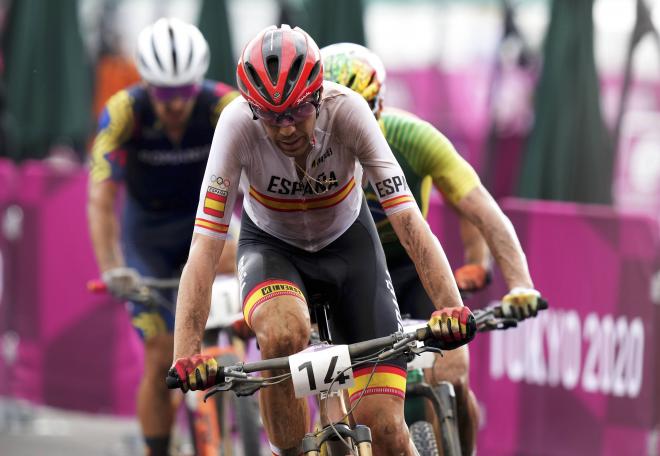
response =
{"points": [[171, 52]]}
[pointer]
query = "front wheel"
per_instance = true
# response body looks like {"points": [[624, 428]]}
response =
{"points": [[423, 436]]}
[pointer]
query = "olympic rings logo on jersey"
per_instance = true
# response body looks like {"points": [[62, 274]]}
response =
{"points": [[220, 182]]}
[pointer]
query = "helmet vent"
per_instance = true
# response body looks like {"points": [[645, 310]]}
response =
{"points": [[173, 45], [293, 76], [257, 82], [142, 61], [155, 53], [273, 67], [314, 73], [190, 55], [351, 81]]}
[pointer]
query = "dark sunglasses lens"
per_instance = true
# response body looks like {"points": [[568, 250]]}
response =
{"points": [[268, 116], [168, 93], [297, 114], [303, 111]]}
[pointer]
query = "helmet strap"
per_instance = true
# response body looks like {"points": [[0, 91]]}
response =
{"points": [[317, 101]]}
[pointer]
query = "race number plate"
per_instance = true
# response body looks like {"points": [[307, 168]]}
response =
{"points": [[313, 370]]}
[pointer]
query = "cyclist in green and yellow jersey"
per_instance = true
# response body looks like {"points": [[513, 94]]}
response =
{"points": [[428, 158]]}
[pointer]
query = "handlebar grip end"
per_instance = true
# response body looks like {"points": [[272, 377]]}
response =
{"points": [[471, 327], [173, 381]]}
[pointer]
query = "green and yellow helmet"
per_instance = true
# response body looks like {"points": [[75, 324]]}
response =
{"points": [[357, 68]]}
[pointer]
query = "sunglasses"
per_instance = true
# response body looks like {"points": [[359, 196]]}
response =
{"points": [[165, 94], [291, 116]]}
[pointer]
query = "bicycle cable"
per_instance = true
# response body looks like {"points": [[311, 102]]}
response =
{"points": [[373, 357]]}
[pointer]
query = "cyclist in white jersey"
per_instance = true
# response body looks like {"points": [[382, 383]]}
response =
{"points": [[298, 146]]}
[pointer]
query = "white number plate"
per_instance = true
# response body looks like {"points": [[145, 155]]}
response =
{"points": [[312, 370]]}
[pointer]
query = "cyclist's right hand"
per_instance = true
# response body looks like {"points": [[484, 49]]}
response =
{"points": [[197, 372], [452, 327], [121, 281]]}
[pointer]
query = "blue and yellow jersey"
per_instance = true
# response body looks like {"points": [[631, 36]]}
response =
{"points": [[427, 157], [132, 147]]}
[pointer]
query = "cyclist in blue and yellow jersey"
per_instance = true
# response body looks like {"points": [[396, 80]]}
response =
{"points": [[154, 137], [428, 158]]}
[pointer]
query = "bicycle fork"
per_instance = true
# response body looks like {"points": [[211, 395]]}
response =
{"points": [[360, 434]]}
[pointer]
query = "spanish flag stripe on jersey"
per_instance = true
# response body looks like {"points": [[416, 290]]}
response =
{"points": [[213, 226], [267, 290], [216, 197], [290, 205], [396, 201], [213, 212], [213, 204]]}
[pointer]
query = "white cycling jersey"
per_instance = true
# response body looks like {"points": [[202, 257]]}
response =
{"points": [[308, 213]]}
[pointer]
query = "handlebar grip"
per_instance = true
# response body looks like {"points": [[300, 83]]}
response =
{"points": [[471, 327], [174, 382], [470, 331]]}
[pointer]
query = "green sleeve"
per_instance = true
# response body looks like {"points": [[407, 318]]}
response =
{"points": [[429, 153]]}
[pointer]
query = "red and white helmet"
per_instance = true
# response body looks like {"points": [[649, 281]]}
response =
{"points": [[279, 68]]}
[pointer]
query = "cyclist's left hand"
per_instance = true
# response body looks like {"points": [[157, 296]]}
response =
{"points": [[197, 372], [453, 326], [472, 277], [521, 303]]}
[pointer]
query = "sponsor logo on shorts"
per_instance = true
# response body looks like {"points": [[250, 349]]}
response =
{"points": [[269, 290]]}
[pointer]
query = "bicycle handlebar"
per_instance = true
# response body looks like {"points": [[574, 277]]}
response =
{"points": [[488, 319], [99, 286], [492, 317], [398, 343]]}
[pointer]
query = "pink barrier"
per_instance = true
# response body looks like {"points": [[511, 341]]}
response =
{"points": [[75, 350], [465, 105], [581, 379]]}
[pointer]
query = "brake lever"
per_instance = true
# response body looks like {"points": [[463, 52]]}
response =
{"points": [[408, 346], [497, 324], [240, 383], [226, 386], [247, 389], [417, 351]]}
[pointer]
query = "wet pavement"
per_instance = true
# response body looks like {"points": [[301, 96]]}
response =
{"points": [[27, 430]]}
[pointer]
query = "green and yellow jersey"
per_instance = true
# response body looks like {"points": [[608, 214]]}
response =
{"points": [[427, 158]]}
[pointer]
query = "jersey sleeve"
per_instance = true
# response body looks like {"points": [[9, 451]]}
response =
{"points": [[430, 153], [375, 156], [222, 175], [115, 127], [225, 95]]}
